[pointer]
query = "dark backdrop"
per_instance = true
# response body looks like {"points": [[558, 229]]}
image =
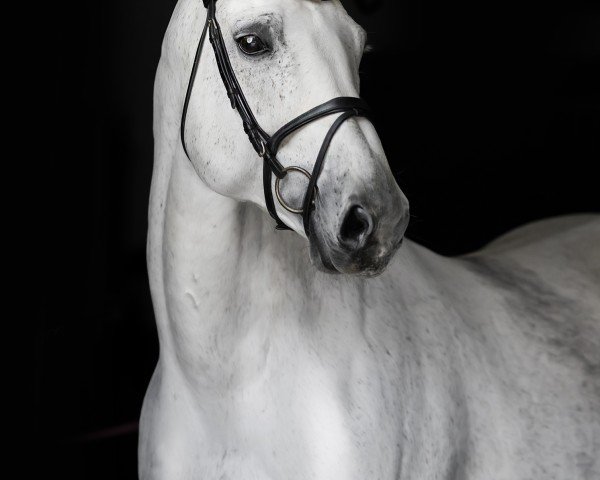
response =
{"points": [[489, 113]]}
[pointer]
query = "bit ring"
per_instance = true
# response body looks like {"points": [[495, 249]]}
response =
{"points": [[280, 199]]}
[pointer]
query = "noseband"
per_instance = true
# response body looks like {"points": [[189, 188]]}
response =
{"points": [[265, 145]]}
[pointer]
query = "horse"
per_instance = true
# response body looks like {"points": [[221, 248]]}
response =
{"points": [[347, 353]]}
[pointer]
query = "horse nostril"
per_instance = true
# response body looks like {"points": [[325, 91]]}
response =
{"points": [[356, 228]]}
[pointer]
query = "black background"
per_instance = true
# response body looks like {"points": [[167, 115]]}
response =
{"points": [[496, 123]]}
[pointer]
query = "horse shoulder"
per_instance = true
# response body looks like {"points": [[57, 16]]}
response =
{"points": [[548, 275], [545, 281]]}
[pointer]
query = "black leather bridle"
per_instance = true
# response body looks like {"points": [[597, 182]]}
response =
{"points": [[265, 145]]}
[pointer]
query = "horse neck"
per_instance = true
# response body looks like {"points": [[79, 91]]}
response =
{"points": [[227, 285], [229, 250], [221, 275]]}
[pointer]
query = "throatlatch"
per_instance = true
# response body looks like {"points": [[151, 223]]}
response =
{"points": [[265, 145]]}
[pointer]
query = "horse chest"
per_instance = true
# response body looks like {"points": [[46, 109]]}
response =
{"points": [[301, 418]]}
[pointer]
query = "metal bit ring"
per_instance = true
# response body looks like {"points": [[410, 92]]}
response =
{"points": [[280, 199]]}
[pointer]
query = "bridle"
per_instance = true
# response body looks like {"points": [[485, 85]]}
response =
{"points": [[265, 145]]}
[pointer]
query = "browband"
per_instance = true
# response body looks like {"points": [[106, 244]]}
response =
{"points": [[265, 145]]}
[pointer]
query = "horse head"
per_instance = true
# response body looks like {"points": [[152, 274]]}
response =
{"points": [[290, 56]]}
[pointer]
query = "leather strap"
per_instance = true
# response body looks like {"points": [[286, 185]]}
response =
{"points": [[257, 136], [311, 191], [190, 87], [337, 105]]}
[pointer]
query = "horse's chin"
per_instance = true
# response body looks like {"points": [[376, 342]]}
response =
{"points": [[324, 264], [328, 260]]}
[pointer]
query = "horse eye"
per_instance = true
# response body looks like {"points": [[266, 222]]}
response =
{"points": [[251, 45]]}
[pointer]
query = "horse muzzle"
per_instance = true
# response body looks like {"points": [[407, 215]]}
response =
{"points": [[363, 237]]}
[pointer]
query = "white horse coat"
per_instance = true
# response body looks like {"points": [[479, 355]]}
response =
{"points": [[480, 367]]}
